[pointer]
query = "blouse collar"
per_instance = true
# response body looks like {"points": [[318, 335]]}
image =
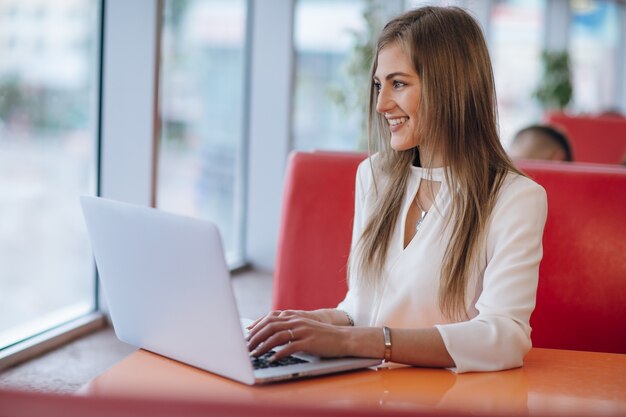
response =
{"points": [[432, 174]]}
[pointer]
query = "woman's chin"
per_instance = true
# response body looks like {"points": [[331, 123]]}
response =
{"points": [[401, 144]]}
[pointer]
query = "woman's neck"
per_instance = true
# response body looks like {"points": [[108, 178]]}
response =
{"points": [[427, 160]]}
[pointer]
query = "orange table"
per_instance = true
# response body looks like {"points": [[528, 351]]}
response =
{"points": [[552, 382]]}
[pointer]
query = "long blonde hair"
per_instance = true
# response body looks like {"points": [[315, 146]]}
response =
{"points": [[457, 118]]}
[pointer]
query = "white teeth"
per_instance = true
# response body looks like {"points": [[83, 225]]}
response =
{"points": [[398, 121]]}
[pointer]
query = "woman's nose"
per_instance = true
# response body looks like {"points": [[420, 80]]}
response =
{"points": [[383, 102]]}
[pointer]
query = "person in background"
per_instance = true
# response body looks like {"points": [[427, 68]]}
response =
{"points": [[447, 234], [541, 142]]}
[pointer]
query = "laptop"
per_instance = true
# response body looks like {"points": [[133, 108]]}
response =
{"points": [[168, 290]]}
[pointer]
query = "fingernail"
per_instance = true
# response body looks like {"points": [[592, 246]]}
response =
{"points": [[272, 358], [253, 353]]}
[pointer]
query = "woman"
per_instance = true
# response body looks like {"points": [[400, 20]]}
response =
{"points": [[447, 233]]}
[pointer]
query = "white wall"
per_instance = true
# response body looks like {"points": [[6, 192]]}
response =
{"points": [[269, 125], [129, 98]]}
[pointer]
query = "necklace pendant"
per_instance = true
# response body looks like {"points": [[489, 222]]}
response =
{"points": [[419, 221]]}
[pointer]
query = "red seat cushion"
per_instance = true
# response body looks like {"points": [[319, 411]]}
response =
{"points": [[581, 299], [593, 139], [316, 230]]}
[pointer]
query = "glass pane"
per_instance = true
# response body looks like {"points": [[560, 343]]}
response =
{"points": [[325, 32], [201, 107], [516, 44], [48, 87], [594, 35], [413, 4]]}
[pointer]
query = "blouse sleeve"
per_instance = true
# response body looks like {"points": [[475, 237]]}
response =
{"points": [[499, 336], [363, 179]]}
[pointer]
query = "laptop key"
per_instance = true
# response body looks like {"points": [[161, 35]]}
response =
{"points": [[262, 361]]}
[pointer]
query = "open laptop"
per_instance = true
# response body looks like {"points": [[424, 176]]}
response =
{"points": [[168, 289]]}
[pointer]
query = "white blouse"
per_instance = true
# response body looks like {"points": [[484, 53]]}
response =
{"points": [[501, 292]]}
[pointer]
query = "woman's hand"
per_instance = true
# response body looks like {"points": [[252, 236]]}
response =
{"points": [[326, 333], [314, 315], [300, 331]]}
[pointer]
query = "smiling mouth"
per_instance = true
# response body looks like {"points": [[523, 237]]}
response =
{"points": [[397, 121]]}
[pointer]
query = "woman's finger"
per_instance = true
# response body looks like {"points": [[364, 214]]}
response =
{"points": [[265, 333], [270, 314], [277, 339], [270, 318], [254, 323], [292, 313], [289, 349]]}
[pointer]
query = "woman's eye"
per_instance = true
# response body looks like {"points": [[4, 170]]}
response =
{"points": [[377, 86], [398, 84]]}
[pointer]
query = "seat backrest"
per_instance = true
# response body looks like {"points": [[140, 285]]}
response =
{"points": [[315, 230], [581, 299], [593, 139]]}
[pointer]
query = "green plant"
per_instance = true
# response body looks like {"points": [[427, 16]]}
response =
{"points": [[555, 88]]}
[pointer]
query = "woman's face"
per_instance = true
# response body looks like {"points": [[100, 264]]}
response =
{"points": [[398, 100]]}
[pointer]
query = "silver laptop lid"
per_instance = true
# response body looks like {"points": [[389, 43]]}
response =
{"points": [[164, 276]]}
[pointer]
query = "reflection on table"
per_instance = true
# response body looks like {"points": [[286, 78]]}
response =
{"points": [[551, 382]]}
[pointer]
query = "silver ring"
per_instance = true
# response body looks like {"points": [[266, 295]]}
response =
{"points": [[291, 336]]}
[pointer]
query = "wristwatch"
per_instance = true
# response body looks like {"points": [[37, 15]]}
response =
{"points": [[387, 336]]}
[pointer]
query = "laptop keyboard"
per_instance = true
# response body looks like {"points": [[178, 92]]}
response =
{"points": [[262, 362]]}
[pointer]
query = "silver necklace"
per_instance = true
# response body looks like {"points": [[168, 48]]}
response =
{"points": [[422, 216]]}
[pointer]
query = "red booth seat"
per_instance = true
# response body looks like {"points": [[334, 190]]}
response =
{"points": [[315, 230], [593, 139], [581, 299]]}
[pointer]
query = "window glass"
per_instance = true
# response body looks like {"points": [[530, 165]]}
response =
{"points": [[516, 42], [413, 4], [201, 107], [593, 47], [324, 34], [48, 89]]}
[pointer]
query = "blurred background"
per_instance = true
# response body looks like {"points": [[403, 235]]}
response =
{"points": [[548, 56]]}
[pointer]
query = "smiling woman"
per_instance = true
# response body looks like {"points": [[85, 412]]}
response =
{"points": [[447, 233]]}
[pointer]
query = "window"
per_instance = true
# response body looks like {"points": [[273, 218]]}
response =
{"points": [[516, 43], [319, 122], [594, 36], [201, 105], [48, 112]]}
